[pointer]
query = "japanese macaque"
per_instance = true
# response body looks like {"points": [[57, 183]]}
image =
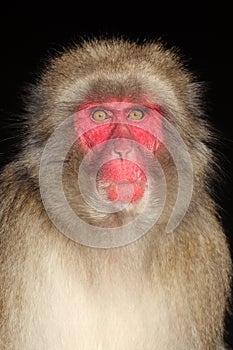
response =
{"points": [[110, 238]]}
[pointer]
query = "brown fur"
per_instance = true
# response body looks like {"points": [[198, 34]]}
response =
{"points": [[162, 292]]}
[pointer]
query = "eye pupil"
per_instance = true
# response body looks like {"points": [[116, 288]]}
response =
{"points": [[99, 115]]}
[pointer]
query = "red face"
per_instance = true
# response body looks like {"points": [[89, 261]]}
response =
{"points": [[131, 130]]}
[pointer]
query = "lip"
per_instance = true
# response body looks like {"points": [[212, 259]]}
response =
{"points": [[124, 191], [112, 184]]}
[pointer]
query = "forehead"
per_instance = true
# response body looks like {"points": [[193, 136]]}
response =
{"points": [[116, 106], [113, 105]]}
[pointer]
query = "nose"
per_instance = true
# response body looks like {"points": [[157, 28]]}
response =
{"points": [[122, 140]]}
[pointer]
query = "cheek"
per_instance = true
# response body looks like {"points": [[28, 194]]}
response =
{"points": [[145, 138], [94, 136]]}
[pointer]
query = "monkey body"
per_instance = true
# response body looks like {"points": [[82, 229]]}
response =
{"points": [[161, 291]]}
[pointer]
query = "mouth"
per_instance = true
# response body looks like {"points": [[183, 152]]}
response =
{"points": [[125, 192], [122, 181]]}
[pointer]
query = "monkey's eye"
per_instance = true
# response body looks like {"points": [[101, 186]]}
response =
{"points": [[135, 114], [99, 116]]}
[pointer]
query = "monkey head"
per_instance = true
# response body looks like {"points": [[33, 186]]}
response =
{"points": [[129, 107]]}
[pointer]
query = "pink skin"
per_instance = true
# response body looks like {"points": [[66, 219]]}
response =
{"points": [[123, 178]]}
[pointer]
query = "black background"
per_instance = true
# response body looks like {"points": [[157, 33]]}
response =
{"points": [[29, 33]]}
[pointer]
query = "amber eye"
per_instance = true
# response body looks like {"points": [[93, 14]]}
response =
{"points": [[99, 116], [135, 114]]}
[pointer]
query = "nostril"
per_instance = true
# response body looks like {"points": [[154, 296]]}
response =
{"points": [[122, 154]]}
